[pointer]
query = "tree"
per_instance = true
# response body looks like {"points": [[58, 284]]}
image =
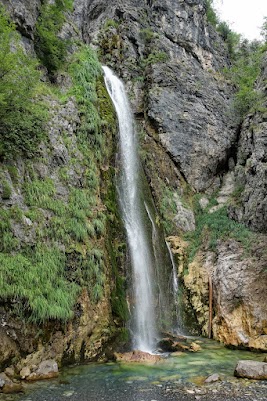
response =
{"points": [[264, 30]]}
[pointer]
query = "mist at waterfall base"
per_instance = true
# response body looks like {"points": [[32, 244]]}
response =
{"points": [[151, 296]]}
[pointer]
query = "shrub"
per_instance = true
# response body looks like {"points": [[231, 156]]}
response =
{"points": [[6, 190], [37, 281], [244, 73], [211, 13], [211, 227], [22, 117], [154, 58], [85, 70], [50, 48]]}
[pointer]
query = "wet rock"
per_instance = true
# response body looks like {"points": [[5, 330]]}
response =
{"points": [[137, 356], [213, 378], [251, 370], [25, 372], [8, 386], [8, 345], [2, 382], [178, 344], [46, 370], [194, 347], [10, 372], [170, 345]]}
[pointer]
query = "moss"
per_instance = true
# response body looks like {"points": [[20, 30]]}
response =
{"points": [[13, 172], [110, 23], [154, 57], [105, 106], [7, 191]]}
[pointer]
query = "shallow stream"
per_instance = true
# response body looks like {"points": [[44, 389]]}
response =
{"points": [[177, 378]]}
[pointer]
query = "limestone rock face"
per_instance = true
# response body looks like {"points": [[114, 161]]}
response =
{"points": [[184, 99], [239, 294], [251, 169], [240, 297], [25, 14]]}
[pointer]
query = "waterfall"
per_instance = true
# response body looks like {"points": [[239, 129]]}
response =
{"points": [[175, 284], [152, 299], [144, 330]]}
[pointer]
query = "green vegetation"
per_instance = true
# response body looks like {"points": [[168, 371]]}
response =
{"points": [[244, 73], [50, 48], [6, 190], [211, 13], [215, 226], [147, 34], [154, 57], [22, 116], [37, 280], [110, 23], [67, 230], [167, 208], [246, 59], [85, 70], [64, 247]]}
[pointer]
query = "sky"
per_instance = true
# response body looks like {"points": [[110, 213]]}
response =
{"points": [[243, 16]]}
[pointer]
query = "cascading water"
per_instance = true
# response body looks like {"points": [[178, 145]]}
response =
{"points": [[152, 297], [131, 206], [178, 323]]}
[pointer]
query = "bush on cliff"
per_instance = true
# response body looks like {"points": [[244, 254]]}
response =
{"points": [[21, 115], [50, 48]]}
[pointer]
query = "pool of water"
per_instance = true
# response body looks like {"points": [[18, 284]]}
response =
{"points": [[130, 382]]}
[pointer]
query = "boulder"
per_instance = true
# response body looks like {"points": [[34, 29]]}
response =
{"points": [[251, 370], [174, 343], [137, 357], [25, 372], [46, 370], [213, 378], [10, 372], [8, 386], [194, 347], [169, 345]]}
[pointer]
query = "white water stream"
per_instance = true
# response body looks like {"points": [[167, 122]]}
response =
{"points": [[144, 330]]}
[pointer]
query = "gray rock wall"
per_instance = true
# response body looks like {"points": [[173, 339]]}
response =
{"points": [[251, 169], [185, 97]]}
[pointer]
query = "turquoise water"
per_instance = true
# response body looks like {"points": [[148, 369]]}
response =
{"points": [[130, 382]]}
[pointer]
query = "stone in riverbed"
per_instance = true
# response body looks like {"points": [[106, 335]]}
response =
{"points": [[213, 378], [178, 343], [251, 370], [137, 356], [46, 370]]}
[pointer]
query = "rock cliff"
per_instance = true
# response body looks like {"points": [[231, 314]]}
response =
{"points": [[251, 170], [171, 61]]}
